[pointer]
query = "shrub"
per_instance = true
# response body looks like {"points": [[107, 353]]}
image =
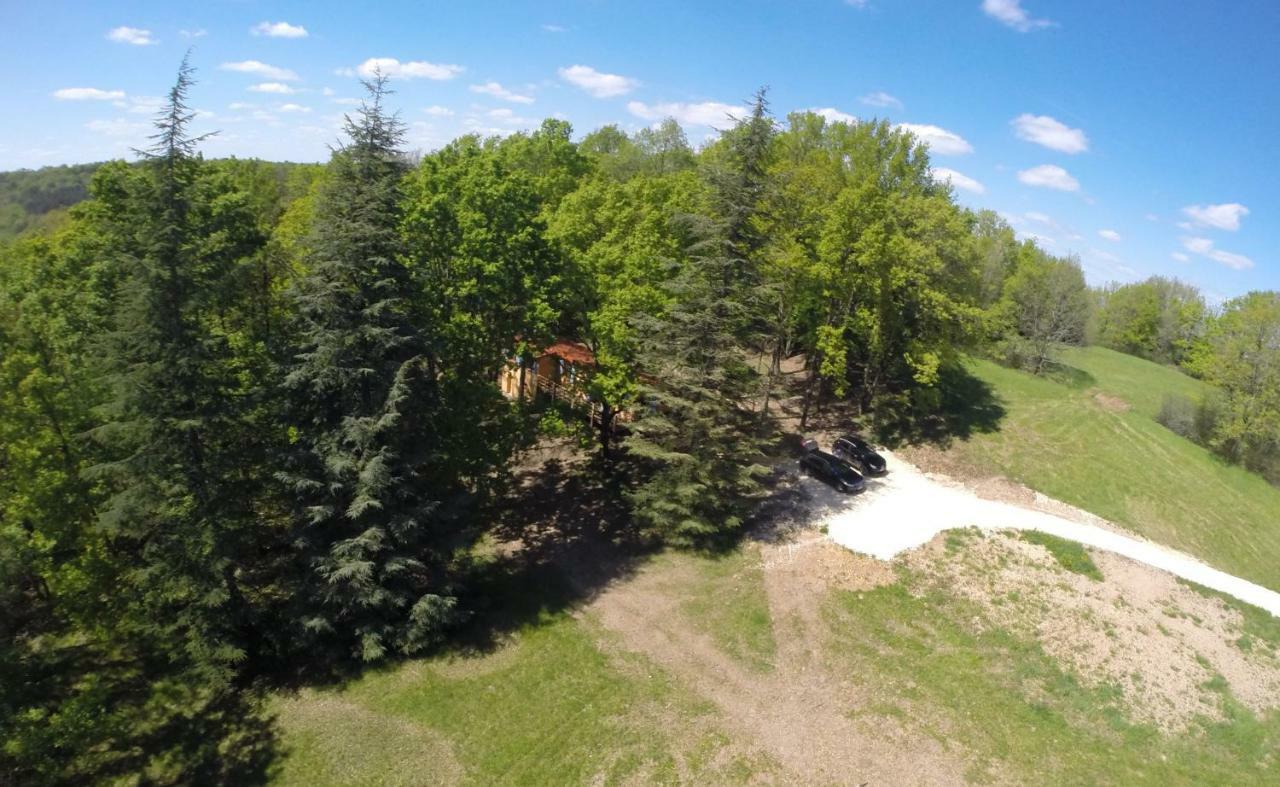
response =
{"points": [[1180, 415]]}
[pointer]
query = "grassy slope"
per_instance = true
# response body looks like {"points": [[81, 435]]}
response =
{"points": [[1057, 438]]}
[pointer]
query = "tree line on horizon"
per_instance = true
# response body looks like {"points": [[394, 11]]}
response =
{"points": [[250, 432]]}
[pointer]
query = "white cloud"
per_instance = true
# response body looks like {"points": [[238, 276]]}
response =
{"points": [[1049, 176], [498, 91], [87, 94], [1204, 247], [1040, 218], [597, 83], [1110, 235], [198, 33], [1180, 257], [131, 35], [554, 28], [958, 180], [1222, 217], [1198, 245], [141, 105], [832, 115], [508, 117], [258, 68], [706, 113], [294, 108], [436, 110], [858, 4], [939, 140], [1012, 14], [278, 30], [236, 106], [1051, 133], [278, 88], [348, 102], [881, 99], [117, 127], [410, 69]]}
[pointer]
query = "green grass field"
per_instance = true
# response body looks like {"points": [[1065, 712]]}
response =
{"points": [[550, 707], [1058, 437]]}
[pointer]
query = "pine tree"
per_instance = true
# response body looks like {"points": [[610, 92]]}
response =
{"points": [[179, 518], [373, 522], [695, 429]]}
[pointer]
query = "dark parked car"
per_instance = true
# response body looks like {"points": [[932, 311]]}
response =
{"points": [[855, 451], [835, 472]]}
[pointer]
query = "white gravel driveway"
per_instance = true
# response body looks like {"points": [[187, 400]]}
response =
{"points": [[907, 508]]}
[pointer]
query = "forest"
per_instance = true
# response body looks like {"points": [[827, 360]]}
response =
{"points": [[251, 435]]}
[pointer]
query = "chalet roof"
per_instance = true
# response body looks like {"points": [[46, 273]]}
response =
{"points": [[573, 352]]}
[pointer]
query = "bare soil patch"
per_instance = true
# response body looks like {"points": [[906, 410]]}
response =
{"points": [[1158, 641], [799, 714], [1110, 403]]}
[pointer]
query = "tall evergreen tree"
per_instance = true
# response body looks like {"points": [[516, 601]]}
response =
{"points": [[373, 519], [179, 518], [697, 428]]}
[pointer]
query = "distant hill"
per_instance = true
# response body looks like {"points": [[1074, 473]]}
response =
{"points": [[34, 198], [29, 198]]}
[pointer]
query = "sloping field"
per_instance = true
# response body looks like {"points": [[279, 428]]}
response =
{"points": [[1088, 437]]}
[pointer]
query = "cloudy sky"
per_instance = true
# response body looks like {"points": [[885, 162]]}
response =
{"points": [[1139, 135]]}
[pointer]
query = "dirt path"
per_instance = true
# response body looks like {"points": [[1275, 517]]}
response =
{"points": [[799, 713], [907, 508]]}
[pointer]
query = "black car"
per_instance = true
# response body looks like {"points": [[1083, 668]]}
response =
{"points": [[855, 451], [835, 472]]}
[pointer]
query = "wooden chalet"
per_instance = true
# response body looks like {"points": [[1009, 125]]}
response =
{"points": [[558, 371]]}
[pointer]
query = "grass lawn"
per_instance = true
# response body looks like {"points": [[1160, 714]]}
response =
{"points": [[1059, 438], [558, 702], [549, 707]]}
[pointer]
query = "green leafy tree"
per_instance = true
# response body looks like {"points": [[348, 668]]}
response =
{"points": [[879, 262], [1159, 319], [1046, 305], [619, 238], [475, 234], [1241, 355]]}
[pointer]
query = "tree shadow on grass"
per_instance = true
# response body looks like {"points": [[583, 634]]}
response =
{"points": [[150, 725], [563, 535], [964, 405], [1070, 376]]}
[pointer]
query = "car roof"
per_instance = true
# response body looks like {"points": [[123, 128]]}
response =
{"points": [[833, 459]]}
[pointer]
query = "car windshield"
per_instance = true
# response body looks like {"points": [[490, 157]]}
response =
{"points": [[844, 471]]}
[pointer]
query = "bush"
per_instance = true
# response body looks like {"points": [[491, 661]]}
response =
{"points": [[1180, 415]]}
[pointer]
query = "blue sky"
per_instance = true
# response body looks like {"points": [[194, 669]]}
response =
{"points": [[1141, 136]]}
